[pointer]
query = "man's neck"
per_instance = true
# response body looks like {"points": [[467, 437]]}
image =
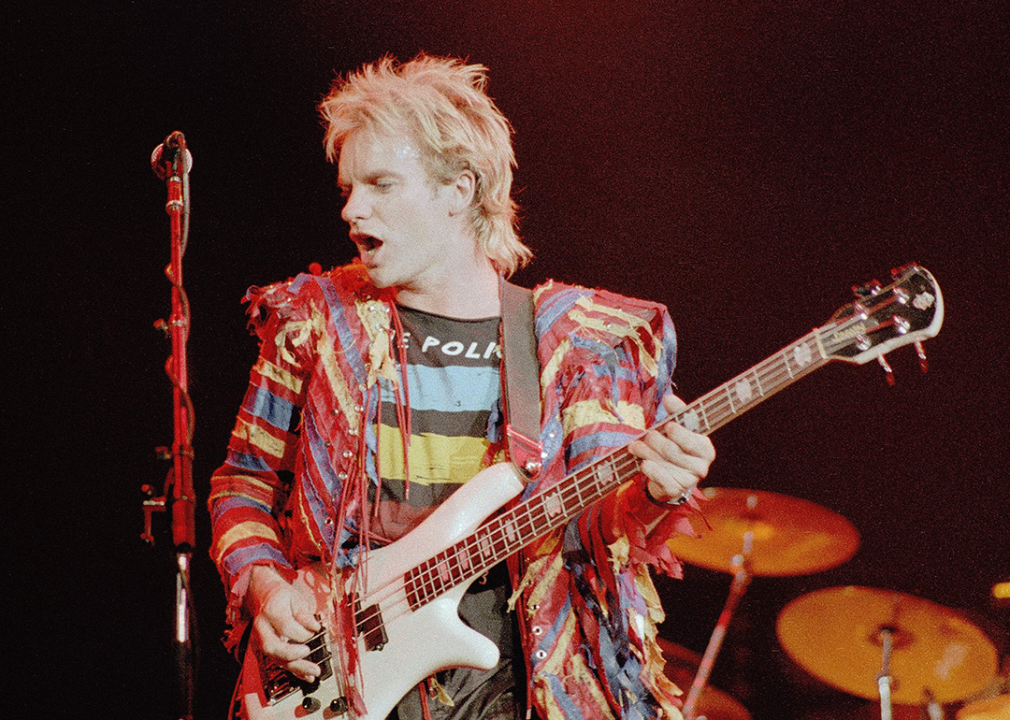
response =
{"points": [[470, 293]]}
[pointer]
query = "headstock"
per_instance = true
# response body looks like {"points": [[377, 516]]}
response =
{"points": [[906, 312]]}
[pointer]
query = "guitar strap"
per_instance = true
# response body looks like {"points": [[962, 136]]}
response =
{"points": [[520, 379]]}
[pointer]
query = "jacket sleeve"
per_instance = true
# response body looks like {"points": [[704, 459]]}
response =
{"points": [[606, 364], [614, 366], [249, 490]]}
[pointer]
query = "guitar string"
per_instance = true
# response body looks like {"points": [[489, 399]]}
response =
{"points": [[778, 371], [713, 405], [771, 375], [429, 579], [770, 379], [772, 368], [426, 583], [434, 566]]}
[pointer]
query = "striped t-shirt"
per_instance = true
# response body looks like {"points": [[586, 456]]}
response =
{"points": [[454, 383]]}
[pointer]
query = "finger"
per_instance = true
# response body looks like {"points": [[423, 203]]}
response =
{"points": [[699, 444], [673, 404], [304, 669], [672, 472], [291, 617], [293, 630], [307, 619], [276, 643], [685, 450], [667, 482], [289, 655], [688, 443]]}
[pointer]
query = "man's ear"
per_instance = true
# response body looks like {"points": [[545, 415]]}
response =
{"points": [[462, 190]]}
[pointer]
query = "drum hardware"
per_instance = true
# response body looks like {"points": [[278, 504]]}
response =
{"points": [[842, 635], [753, 533], [713, 704]]}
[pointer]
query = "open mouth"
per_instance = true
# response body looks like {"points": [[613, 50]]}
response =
{"points": [[367, 244]]}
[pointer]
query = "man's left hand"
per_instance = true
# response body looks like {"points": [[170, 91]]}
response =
{"points": [[674, 459]]}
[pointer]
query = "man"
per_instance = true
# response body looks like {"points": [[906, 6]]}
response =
{"points": [[377, 394]]}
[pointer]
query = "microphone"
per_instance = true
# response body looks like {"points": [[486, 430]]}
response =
{"points": [[165, 157]]}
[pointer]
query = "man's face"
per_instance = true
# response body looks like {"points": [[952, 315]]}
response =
{"points": [[399, 216]]}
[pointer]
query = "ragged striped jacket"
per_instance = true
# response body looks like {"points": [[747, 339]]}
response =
{"points": [[304, 442]]}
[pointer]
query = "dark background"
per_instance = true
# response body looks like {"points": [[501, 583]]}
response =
{"points": [[743, 162]]}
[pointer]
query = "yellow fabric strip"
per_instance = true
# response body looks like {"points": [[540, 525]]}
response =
{"points": [[326, 350], [627, 328], [575, 674], [241, 532], [279, 375], [550, 369], [589, 412], [546, 584], [259, 438], [252, 487]]}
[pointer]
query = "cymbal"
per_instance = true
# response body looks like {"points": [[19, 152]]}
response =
{"points": [[681, 667], [996, 708], [835, 635], [791, 536]]}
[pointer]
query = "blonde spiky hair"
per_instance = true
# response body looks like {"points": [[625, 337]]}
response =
{"points": [[443, 104]]}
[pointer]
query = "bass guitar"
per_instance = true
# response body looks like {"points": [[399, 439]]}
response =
{"points": [[405, 604]]}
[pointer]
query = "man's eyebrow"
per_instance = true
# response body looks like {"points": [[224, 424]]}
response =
{"points": [[370, 178]]}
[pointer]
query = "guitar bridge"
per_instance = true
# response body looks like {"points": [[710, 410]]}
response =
{"points": [[278, 683]]}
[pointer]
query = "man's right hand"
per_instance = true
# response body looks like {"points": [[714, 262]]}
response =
{"points": [[284, 619]]}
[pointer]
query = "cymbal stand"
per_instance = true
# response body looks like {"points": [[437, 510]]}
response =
{"points": [[884, 676], [741, 579]]}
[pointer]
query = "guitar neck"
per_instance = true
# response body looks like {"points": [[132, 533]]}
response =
{"points": [[513, 529], [735, 397]]}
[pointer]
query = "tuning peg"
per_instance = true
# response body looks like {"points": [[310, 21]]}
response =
{"points": [[887, 369], [923, 363], [867, 290]]}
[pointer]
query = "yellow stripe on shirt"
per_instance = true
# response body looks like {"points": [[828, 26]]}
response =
{"points": [[433, 458]]}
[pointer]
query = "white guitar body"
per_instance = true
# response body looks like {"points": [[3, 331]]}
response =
{"points": [[418, 643]]}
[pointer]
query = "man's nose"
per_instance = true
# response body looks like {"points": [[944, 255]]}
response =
{"points": [[355, 207]]}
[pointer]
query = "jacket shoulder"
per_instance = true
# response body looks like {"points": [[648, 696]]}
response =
{"points": [[560, 302]]}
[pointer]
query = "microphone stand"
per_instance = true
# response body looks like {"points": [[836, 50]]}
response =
{"points": [[171, 161]]}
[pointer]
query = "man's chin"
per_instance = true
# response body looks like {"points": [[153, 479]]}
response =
{"points": [[378, 278]]}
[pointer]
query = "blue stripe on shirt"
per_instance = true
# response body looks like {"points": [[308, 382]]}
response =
{"points": [[432, 387]]}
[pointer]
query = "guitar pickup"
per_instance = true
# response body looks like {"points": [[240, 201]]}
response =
{"points": [[370, 626]]}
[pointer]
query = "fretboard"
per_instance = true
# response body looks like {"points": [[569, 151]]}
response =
{"points": [[507, 533]]}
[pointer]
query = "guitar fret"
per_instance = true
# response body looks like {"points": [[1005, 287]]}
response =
{"points": [[820, 345], [508, 532], [692, 417], [433, 577], [785, 361], [423, 583], [505, 534]]}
